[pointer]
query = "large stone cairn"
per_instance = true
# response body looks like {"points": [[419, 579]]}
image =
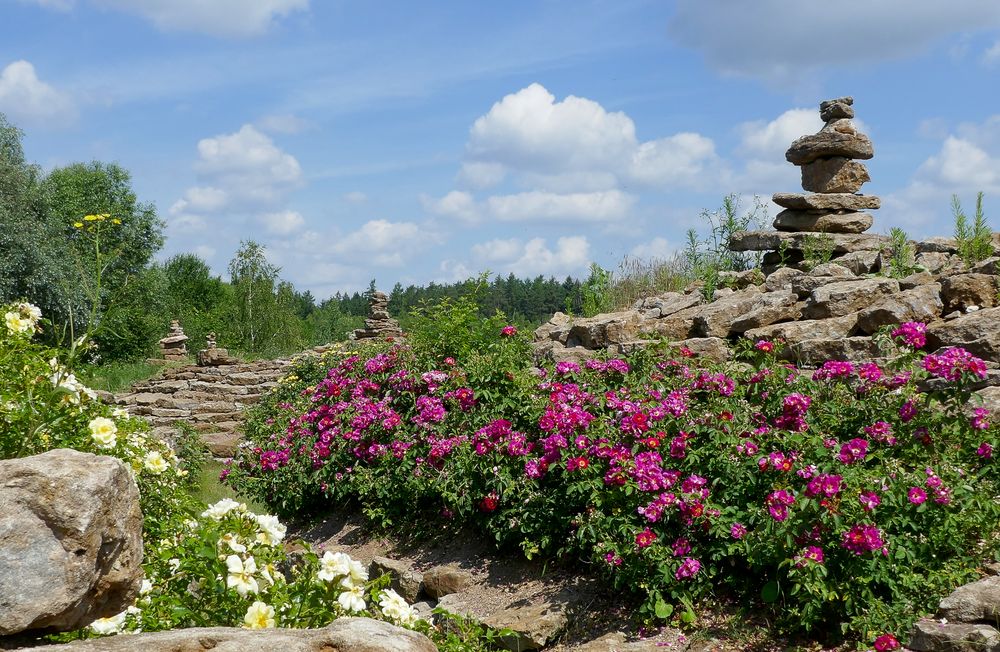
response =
{"points": [[832, 176], [212, 355], [379, 322], [172, 347]]}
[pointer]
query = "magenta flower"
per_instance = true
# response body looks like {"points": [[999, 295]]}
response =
{"points": [[645, 539], [863, 538], [853, 451], [688, 568], [834, 369], [951, 364], [979, 419], [886, 642], [681, 547], [907, 411], [827, 485], [508, 331], [738, 531], [913, 334], [985, 450], [764, 345], [869, 500], [813, 554], [916, 495], [778, 503]]}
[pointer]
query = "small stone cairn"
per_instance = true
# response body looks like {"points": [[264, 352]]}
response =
{"points": [[832, 175], [213, 356], [172, 347], [379, 322]]}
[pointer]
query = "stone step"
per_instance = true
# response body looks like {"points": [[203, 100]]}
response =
{"points": [[773, 240]]}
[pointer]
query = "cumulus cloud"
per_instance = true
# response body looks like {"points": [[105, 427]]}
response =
{"points": [[383, 242], [571, 255], [685, 160], [248, 166], [456, 204], [609, 206], [282, 222], [779, 39], [27, 100], [227, 18]]}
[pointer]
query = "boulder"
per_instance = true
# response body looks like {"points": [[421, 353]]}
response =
{"points": [[915, 280], [221, 443], [798, 331], [678, 326], [767, 309], [976, 332], [988, 266], [922, 303], [844, 297], [815, 352], [837, 174], [934, 261], [840, 201], [860, 262], [820, 275], [716, 318], [935, 636], [827, 143], [342, 635], [781, 279], [405, 581], [978, 601], [938, 244], [824, 222], [961, 291], [843, 243], [553, 325], [741, 280], [668, 304], [533, 625], [600, 331], [70, 540], [445, 580], [714, 349]]}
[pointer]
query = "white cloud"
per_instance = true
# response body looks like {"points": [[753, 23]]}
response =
{"points": [[28, 100], [456, 204], [383, 242], [992, 55], [283, 124], [205, 252], [609, 206], [356, 197], [227, 18], [962, 165], [769, 140], [655, 249], [200, 199], [784, 40], [680, 161], [282, 222], [248, 166], [571, 255], [481, 175]]}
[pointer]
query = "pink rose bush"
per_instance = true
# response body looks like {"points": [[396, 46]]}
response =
{"points": [[672, 476]]}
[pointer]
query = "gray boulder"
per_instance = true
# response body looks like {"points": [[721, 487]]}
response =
{"points": [[824, 222], [935, 636], [976, 332], [922, 303], [836, 174], [70, 540], [840, 201], [844, 297], [978, 601], [827, 143]]}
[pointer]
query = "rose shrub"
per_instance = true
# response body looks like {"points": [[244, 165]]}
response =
{"points": [[678, 478]]}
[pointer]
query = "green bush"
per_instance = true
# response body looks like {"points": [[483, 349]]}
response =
{"points": [[975, 241]]}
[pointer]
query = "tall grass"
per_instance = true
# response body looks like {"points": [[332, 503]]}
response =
{"points": [[638, 278], [118, 376]]}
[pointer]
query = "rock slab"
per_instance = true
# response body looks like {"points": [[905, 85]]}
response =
{"points": [[70, 541]]}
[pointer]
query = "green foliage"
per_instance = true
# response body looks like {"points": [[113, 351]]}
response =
{"points": [[597, 291], [817, 249], [706, 258], [117, 376], [263, 306], [975, 241], [901, 254]]}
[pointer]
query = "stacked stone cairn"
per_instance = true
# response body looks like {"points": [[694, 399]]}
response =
{"points": [[379, 322], [172, 347], [212, 355], [832, 213]]}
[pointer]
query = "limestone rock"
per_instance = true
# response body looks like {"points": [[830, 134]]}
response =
{"points": [[815, 352], [668, 304], [860, 262], [534, 625], [798, 331], [221, 443], [934, 261], [826, 202], [342, 635], [844, 297], [716, 318], [837, 174], [546, 330], [781, 279], [70, 540], [741, 280], [836, 108], [922, 303], [678, 326], [852, 222], [843, 243], [714, 349], [915, 280], [977, 332], [600, 331], [829, 143], [820, 275], [988, 266], [978, 601], [767, 309], [934, 636], [938, 244], [405, 581], [445, 580], [964, 290]]}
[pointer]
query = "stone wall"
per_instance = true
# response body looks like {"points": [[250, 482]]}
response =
{"points": [[210, 399]]}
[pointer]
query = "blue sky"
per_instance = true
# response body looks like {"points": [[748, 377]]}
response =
{"points": [[418, 142]]}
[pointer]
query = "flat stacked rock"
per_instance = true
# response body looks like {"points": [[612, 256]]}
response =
{"points": [[832, 175], [172, 346], [379, 322]]}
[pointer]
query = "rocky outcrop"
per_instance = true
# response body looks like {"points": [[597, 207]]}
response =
{"points": [[966, 621], [343, 635], [70, 540], [379, 322]]}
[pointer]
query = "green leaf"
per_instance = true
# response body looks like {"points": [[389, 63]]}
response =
{"points": [[770, 592], [663, 610]]}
